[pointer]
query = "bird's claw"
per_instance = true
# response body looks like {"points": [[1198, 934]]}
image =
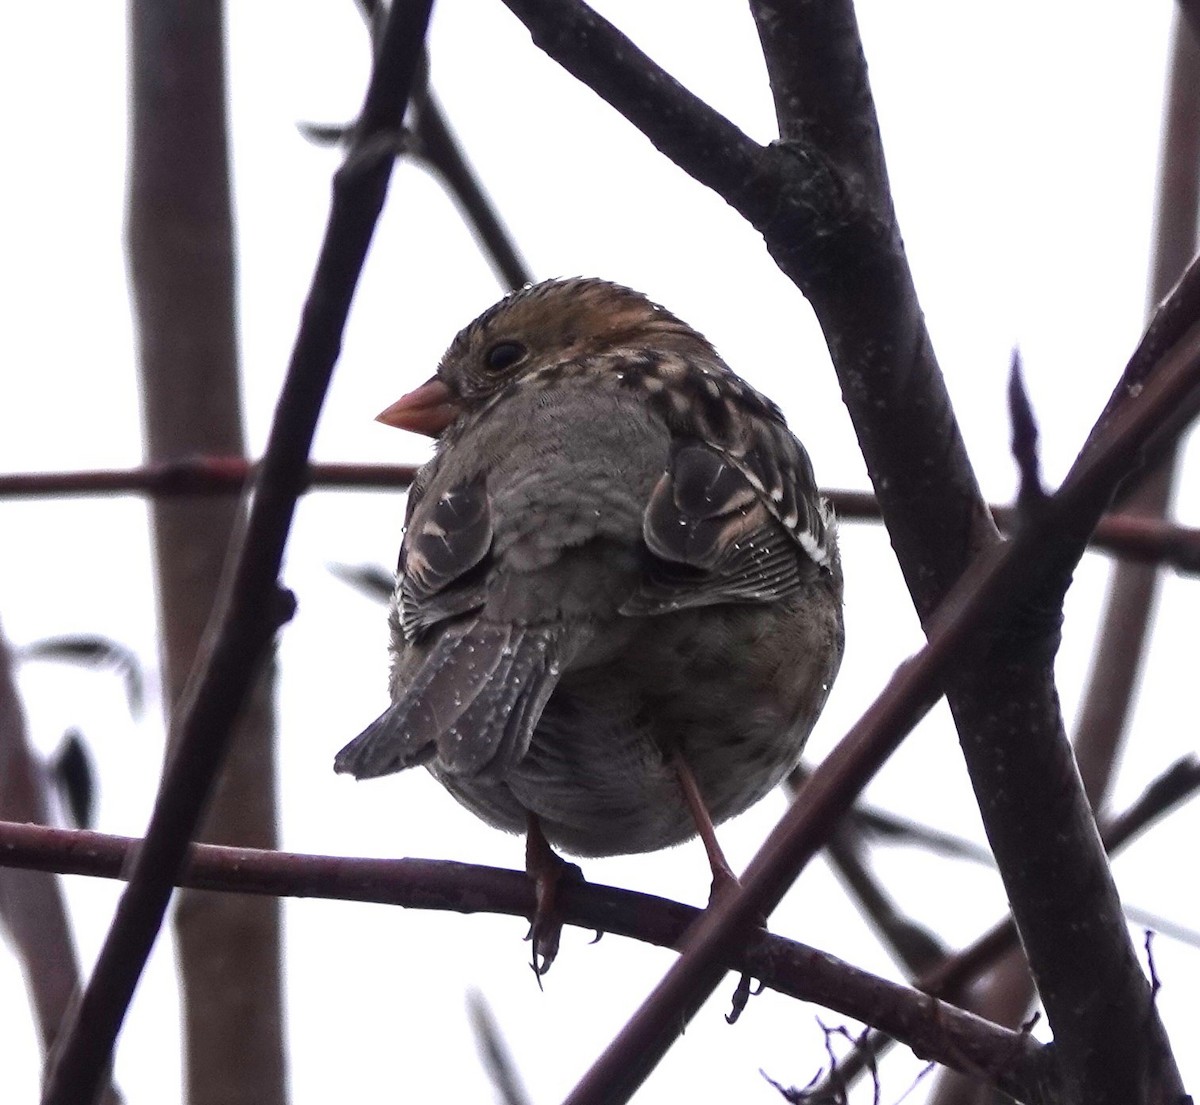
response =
{"points": [[545, 930], [546, 868], [724, 883]]}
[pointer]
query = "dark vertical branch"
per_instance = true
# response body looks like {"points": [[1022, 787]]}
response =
{"points": [[32, 908], [182, 273], [862, 291], [821, 202], [252, 608], [1006, 708], [1006, 994]]}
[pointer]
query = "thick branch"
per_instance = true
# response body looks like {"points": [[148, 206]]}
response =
{"points": [[982, 598], [1015, 1061], [1107, 702], [820, 200], [180, 244], [253, 610]]}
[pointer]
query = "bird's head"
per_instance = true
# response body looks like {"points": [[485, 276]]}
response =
{"points": [[533, 330]]}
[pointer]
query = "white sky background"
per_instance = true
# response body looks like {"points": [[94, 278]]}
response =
{"points": [[1022, 151]]}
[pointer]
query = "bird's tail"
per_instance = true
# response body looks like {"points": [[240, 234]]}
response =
{"points": [[474, 703]]}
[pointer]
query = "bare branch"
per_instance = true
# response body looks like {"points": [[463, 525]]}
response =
{"points": [[252, 610], [32, 908], [929, 1027], [950, 979], [182, 274], [198, 476], [437, 145], [1040, 551], [1131, 536], [1133, 591]]}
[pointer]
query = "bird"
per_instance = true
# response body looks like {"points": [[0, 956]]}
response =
{"points": [[618, 604]]}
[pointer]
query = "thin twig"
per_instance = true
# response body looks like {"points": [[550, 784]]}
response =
{"points": [[437, 145], [1130, 536]]}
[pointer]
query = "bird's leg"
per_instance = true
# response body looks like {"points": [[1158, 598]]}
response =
{"points": [[546, 869], [724, 881], [723, 878]]}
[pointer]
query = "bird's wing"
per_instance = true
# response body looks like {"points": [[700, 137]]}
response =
{"points": [[473, 701], [447, 538], [714, 532], [470, 690]]}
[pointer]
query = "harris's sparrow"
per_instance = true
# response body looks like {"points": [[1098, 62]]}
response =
{"points": [[618, 607]]}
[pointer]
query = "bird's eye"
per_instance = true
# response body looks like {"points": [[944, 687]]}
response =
{"points": [[504, 354]]}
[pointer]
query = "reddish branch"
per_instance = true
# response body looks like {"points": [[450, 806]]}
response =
{"points": [[1130, 536], [789, 967], [253, 608], [1133, 590], [1013, 1060]]}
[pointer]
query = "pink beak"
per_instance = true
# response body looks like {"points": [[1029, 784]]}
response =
{"points": [[426, 410]]}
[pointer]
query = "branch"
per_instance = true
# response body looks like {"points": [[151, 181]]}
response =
{"points": [[431, 141], [1020, 568], [1102, 723], [253, 608], [949, 980], [32, 907], [929, 1027], [437, 145], [1134, 588], [198, 476], [1130, 536], [182, 273], [821, 201]]}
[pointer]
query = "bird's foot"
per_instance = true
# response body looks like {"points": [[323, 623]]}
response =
{"points": [[547, 870], [724, 883]]}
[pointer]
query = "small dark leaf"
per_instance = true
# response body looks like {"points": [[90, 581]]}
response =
{"points": [[1031, 494], [93, 651], [74, 778], [374, 582], [326, 134]]}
